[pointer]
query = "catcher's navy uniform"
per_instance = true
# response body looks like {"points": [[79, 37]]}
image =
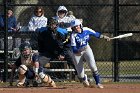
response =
{"points": [[29, 68], [30, 74]]}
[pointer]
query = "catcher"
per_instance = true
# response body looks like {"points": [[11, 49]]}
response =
{"points": [[28, 68]]}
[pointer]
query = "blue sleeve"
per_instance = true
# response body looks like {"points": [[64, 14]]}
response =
{"points": [[96, 34], [62, 30], [75, 50]]}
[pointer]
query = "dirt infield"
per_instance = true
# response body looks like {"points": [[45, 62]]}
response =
{"points": [[75, 88]]}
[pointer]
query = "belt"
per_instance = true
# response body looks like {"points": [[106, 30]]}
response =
{"points": [[83, 48]]}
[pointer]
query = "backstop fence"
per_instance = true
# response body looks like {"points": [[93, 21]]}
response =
{"points": [[117, 60]]}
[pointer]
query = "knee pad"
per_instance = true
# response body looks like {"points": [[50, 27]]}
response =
{"points": [[21, 80], [22, 69]]}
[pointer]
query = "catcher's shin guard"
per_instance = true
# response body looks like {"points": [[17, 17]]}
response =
{"points": [[21, 70], [21, 80], [46, 79]]}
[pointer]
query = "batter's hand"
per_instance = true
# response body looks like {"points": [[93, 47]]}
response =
{"points": [[108, 39], [105, 37]]}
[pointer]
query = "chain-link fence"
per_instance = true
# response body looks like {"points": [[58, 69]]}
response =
{"points": [[117, 60]]}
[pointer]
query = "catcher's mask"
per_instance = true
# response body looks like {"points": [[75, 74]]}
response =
{"points": [[25, 50], [52, 23]]}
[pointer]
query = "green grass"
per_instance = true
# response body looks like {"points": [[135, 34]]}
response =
{"points": [[125, 67]]}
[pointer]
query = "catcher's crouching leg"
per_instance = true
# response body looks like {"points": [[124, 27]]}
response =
{"points": [[47, 79], [21, 70]]}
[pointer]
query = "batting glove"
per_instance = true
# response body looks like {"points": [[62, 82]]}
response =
{"points": [[105, 37]]}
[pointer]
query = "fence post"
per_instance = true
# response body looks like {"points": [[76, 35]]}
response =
{"points": [[5, 74], [115, 43]]}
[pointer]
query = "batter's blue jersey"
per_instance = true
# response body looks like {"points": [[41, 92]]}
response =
{"points": [[80, 40]]}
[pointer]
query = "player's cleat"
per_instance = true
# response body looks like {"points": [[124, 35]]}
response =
{"points": [[100, 86], [20, 85], [52, 84], [27, 83], [85, 82], [35, 84]]}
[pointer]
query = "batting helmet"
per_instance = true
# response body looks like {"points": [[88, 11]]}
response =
{"points": [[76, 22]]}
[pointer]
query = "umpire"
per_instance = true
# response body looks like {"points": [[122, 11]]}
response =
{"points": [[54, 43]]}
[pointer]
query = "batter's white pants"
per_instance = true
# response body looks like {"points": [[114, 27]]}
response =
{"points": [[87, 54]]}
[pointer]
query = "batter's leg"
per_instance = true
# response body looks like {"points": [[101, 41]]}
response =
{"points": [[80, 70], [92, 64]]}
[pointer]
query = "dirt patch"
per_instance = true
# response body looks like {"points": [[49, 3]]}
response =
{"points": [[75, 88]]}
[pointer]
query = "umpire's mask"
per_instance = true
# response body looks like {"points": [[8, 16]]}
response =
{"points": [[52, 23]]}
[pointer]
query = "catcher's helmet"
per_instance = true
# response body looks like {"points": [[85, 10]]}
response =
{"points": [[24, 46]]}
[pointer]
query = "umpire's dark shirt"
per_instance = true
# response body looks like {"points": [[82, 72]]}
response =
{"points": [[50, 44]]}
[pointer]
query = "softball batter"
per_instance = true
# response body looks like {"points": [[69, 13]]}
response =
{"points": [[82, 50]]}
